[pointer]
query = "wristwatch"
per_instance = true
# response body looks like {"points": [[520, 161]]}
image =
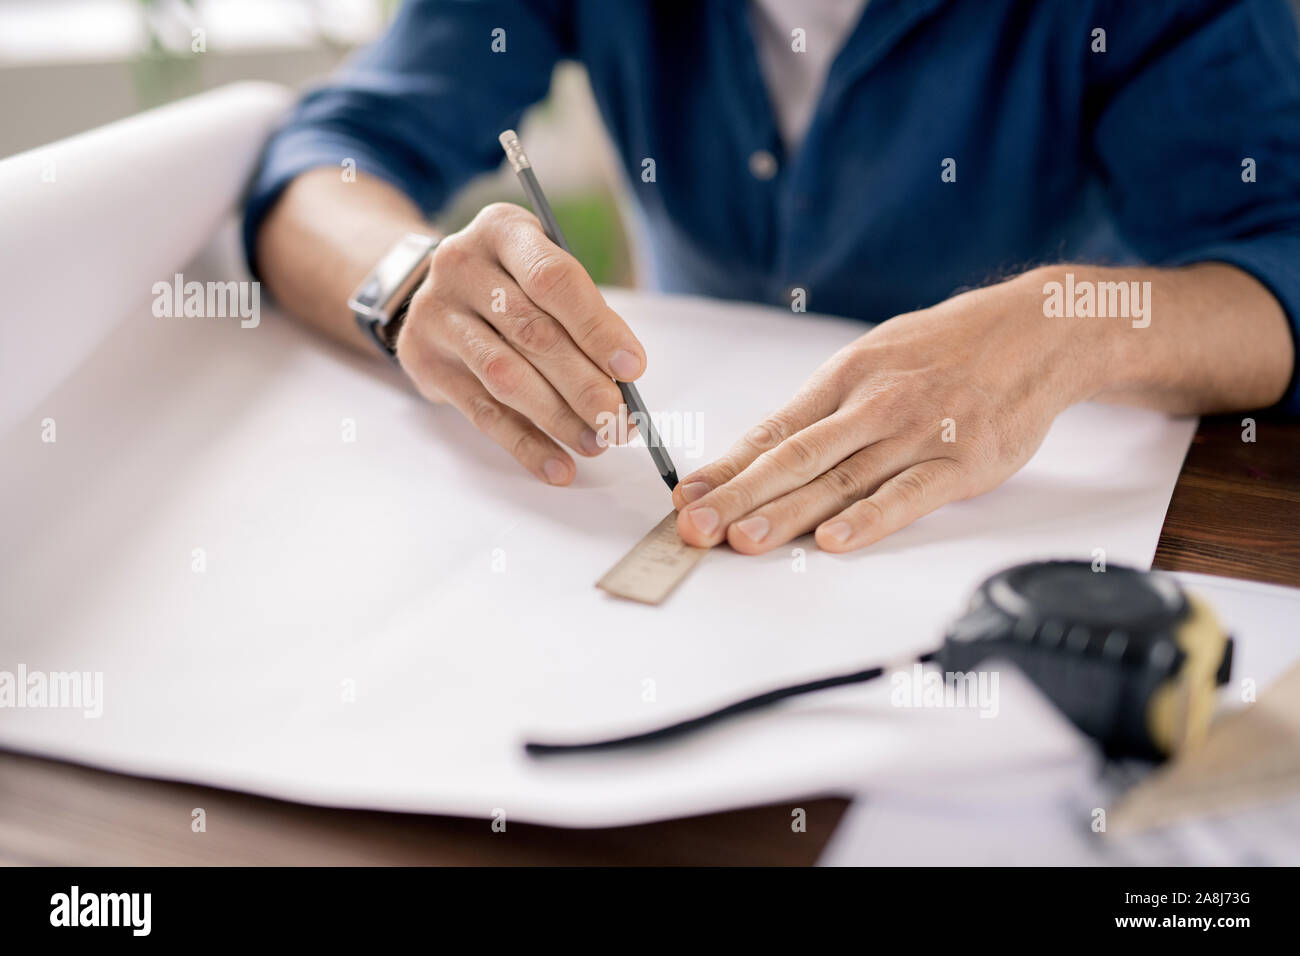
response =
{"points": [[380, 302]]}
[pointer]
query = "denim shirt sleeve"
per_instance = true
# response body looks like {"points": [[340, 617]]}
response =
{"points": [[1198, 138], [421, 108]]}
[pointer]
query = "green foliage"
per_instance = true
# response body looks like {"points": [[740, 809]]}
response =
{"points": [[591, 223], [594, 229]]}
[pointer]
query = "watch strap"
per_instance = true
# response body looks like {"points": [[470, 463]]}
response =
{"points": [[384, 334]]}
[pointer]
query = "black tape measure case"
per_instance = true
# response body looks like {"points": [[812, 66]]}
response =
{"points": [[1127, 655]]}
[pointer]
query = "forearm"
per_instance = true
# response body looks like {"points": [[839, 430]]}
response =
{"points": [[1212, 339], [323, 237]]}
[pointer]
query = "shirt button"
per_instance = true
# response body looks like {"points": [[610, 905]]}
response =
{"points": [[762, 164]]}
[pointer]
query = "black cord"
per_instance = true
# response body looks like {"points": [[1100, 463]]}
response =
{"points": [[695, 723]]}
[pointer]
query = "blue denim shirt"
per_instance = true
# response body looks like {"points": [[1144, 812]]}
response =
{"points": [[1060, 153]]}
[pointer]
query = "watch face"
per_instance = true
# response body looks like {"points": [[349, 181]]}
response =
{"points": [[375, 296], [368, 294]]}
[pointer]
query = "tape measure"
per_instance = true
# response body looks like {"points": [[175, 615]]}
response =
{"points": [[1126, 655]]}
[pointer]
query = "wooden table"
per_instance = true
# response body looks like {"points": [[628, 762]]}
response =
{"points": [[1235, 512]]}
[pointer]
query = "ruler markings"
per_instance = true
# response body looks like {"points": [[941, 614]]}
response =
{"points": [[655, 565]]}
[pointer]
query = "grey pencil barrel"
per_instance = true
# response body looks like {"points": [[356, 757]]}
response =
{"points": [[632, 398], [542, 208], [551, 226]]}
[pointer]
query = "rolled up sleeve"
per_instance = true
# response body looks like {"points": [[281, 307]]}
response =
{"points": [[421, 108], [1198, 138]]}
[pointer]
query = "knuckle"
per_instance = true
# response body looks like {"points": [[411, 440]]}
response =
{"points": [[798, 454], [913, 486], [836, 378], [538, 333], [423, 298], [842, 371], [525, 446], [496, 213], [425, 320], [736, 498], [770, 432], [597, 396], [550, 276], [560, 422], [589, 327], [448, 258], [722, 471], [957, 480], [483, 413], [498, 373], [870, 513], [842, 483]]}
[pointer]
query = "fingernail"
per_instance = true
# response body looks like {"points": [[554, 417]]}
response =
{"points": [[705, 520], [754, 528], [839, 531], [694, 491], [555, 471], [590, 442], [624, 365]]}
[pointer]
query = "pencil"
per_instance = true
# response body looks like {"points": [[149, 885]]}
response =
{"points": [[631, 397]]}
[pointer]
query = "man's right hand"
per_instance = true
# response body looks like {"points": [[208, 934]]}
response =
{"points": [[510, 329]]}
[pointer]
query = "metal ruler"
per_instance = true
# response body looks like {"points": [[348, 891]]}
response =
{"points": [[657, 564]]}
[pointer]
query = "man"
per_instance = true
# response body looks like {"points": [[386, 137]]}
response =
{"points": [[1115, 184]]}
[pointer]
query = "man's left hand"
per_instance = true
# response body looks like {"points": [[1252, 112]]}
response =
{"points": [[930, 407]]}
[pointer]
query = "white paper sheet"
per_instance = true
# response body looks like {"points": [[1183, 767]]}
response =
{"points": [[89, 223], [1016, 790], [419, 567]]}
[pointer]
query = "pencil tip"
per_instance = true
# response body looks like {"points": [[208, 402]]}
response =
{"points": [[670, 479]]}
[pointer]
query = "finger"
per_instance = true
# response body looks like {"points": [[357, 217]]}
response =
{"points": [[558, 284], [815, 401], [895, 504], [417, 359], [546, 344], [793, 463], [446, 380], [511, 380], [798, 512], [529, 445]]}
